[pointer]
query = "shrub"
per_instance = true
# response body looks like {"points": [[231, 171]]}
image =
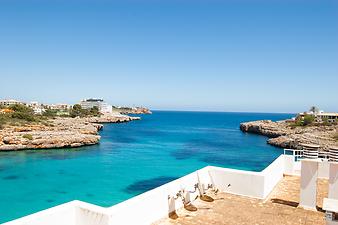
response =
{"points": [[308, 119], [24, 116], [50, 113], [2, 123], [28, 136], [76, 111], [21, 108], [94, 111], [326, 122], [336, 136]]}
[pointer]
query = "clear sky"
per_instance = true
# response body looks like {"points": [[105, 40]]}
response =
{"points": [[245, 55]]}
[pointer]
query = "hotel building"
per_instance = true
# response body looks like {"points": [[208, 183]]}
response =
{"points": [[103, 107]]}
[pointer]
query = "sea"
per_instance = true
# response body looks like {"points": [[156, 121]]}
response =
{"points": [[130, 159]]}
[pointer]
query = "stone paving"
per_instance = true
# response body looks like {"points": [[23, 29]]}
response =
{"points": [[281, 208]]}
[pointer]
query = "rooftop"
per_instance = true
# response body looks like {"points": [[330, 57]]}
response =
{"points": [[281, 207], [93, 100]]}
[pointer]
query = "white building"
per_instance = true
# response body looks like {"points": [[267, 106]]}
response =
{"points": [[37, 107], [60, 106], [9, 102], [103, 107], [322, 116]]}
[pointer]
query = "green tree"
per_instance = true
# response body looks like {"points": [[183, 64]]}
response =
{"points": [[21, 108], [94, 111], [50, 113], [2, 122], [22, 112], [314, 109], [76, 111]]}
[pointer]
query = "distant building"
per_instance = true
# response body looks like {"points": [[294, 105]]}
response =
{"points": [[9, 102], [103, 107], [37, 107], [61, 106], [321, 116], [330, 117]]}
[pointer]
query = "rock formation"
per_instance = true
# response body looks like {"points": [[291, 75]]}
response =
{"points": [[283, 135], [57, 133]]}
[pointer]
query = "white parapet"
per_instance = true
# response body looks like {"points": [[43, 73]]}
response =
{"points": [[333, 180], [308, 183]]}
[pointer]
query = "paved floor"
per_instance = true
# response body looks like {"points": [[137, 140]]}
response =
{"points": [[281, 207]]}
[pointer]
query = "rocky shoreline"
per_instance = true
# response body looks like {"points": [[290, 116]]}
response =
{"points": [[282, 135], [57, 133]]}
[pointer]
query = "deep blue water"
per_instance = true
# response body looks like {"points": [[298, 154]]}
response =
{"points": [[130, 159]]}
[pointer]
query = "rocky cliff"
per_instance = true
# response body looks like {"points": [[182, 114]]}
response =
{"points": [[283, 135], [57, 133]]}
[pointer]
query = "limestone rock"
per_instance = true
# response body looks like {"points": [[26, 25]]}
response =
{"points": [[283, 135], [65, 132]]}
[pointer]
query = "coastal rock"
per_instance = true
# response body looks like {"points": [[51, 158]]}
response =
{"points": [[117, 118], [283, 135], [57, 133], [264, 127]]}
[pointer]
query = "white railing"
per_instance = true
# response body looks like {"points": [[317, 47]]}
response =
{"points": [[299, 154], [296, 153]]}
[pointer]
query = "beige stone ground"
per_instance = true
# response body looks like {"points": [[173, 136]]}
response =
{"points": [[281, 207]]}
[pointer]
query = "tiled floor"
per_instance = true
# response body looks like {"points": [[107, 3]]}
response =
{"points": [[280, 208]]}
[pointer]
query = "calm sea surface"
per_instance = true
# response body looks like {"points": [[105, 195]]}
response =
{"points": [[130, 159]]}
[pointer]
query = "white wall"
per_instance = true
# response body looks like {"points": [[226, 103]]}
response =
{"points": [[247, 183], [88, 214], [155, 204], [61, 214], [273, 174], [238, 182]]}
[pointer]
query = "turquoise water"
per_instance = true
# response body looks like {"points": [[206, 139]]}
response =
{"points": [[130, 159]]}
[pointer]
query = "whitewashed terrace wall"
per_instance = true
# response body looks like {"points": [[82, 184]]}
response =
{"points": [[247, 183], [293, 167], [61, 214]]}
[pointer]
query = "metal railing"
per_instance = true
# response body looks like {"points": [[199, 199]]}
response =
{"points": [[299, 154], [296, 153]]}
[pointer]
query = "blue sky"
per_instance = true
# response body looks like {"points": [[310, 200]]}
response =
{"points": [[268, 56]]}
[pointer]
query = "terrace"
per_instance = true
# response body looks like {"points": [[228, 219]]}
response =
{"points": [[281, 207]]}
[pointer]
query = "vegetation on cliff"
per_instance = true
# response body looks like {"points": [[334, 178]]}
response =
{"points": [[18, 115], [305, 121], [78, 111]]}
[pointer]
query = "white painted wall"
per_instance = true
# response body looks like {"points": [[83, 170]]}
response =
{"points": [[323, 169], [333, 180], [308, 184], [61, 214], [273, 174], [238, 182], [246, 183], [88, 214], [294, 168], [153, 205]]}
